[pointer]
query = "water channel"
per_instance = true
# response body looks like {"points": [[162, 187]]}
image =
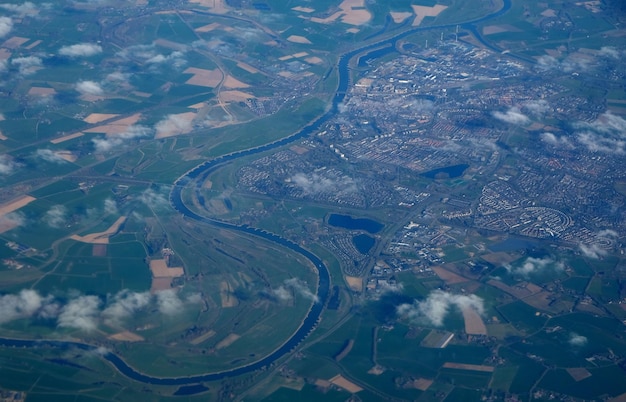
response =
{"points": [[323, 285]]}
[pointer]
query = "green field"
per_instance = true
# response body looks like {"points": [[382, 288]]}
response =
{"points": [[106, 104], [522, 316]]}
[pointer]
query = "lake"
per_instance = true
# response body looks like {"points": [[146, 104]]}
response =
{"points": [[448, 172], [513, 244], [363, 243], [348, 222]]}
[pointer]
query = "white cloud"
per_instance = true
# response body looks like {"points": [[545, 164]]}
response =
{"points": [[12, 220], [609, 51], [315, 183], [553, 139], [596, 143], [250, 34], [483, 143], [576, 64], [150, 55], [282, 294], [194, 298], [49, 156], [6, 25], [81, 50], [386, 287], [423, 106], [605, 123], [577, 340], [144, 52], [118, 76], [537, 107], [153, 200], [106, 144], [437, 305], [301, 287], [124, 305], [599, 247], [173, 124], [89, 88], [117, 81], [547, 63], [110, 207], [592, 250], [267, 18], [168, 302], [27, 65], [92, 3], [26, 304], [55, 217], [24, 9], [571, 64], [535, 265], [7, 166], [175, 59], [50, 310], [607, 134], [512, 116], [607, 234], [80, 313], [23, 305], [86, 312]]}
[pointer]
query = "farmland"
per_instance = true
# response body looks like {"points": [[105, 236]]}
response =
{"points": [[172, 172]]}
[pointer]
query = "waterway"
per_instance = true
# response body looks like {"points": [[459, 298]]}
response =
{"points": [[323, 285]]}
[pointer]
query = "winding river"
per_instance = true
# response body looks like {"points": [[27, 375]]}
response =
{"points": [[323, 285]]}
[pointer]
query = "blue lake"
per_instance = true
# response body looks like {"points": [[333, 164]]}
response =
{"points": [[448, 172], [348, 222], [363, 243], [513, 244]]}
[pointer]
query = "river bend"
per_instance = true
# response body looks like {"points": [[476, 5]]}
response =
{"points": [[323, 285]]}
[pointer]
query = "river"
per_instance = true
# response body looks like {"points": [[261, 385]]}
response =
{"points": [[323, 285]]}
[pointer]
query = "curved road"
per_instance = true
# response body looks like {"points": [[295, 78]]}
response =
{"points": [[206, 168]]}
